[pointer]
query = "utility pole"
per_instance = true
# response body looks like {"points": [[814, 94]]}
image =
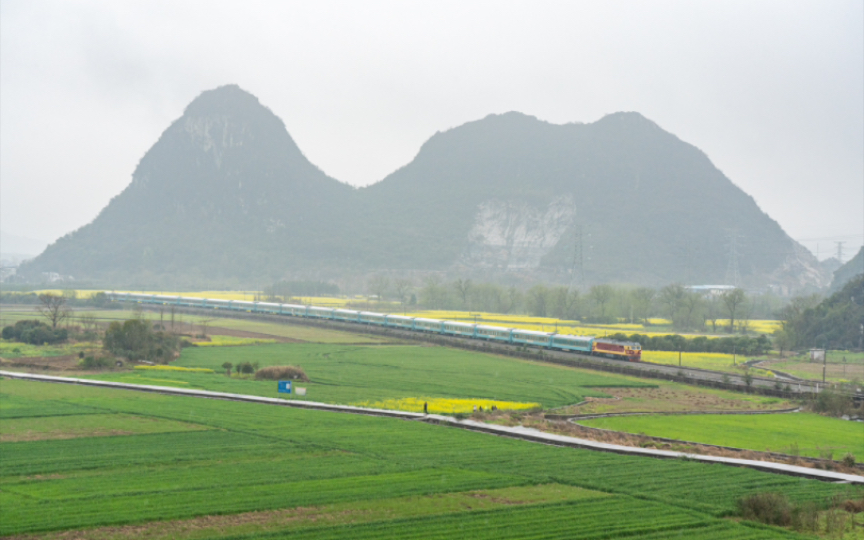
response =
{"points": [[824, 362], [840, 251]]}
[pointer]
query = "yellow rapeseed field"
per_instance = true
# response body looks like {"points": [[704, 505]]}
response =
{"points": [[756, 325], [248, 296], [570, 327], [80, 293], [446, 405], [713, 361]]}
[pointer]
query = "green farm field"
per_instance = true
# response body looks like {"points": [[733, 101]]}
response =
{"points": [[244, 470], [350, 374], [807, 434], [841, 366], [14, 349]]}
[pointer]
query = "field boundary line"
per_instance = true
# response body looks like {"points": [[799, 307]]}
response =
{"points": [[655, 438], [518, 432], [591, 416]]}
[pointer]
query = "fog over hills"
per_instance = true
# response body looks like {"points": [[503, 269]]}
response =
{"points": [[226, 196]]}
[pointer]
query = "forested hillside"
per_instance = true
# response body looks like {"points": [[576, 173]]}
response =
{"points": [[836, 323]]}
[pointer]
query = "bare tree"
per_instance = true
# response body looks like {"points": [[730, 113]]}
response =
{"points": [[53, 307], [401, 287], [601, 295], [538, 300], [643, 298], [712, 313], [744, 316], [433, 295], [88, 323], [463, 289], [672, 296], [733, 301], [378, 285], [692, 303], [514, 298], [564, 303], [173, 315], [205, 324]]}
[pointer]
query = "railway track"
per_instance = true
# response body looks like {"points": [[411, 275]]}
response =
{"points": [[687, 375]]}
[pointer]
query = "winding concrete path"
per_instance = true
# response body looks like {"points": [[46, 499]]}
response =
{"points": [[527, 434]]}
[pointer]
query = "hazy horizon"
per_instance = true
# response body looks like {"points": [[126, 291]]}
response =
{"points": [[772, 92]]}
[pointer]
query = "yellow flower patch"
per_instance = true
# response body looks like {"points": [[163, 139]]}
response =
{"points": [[446, 405], [230, 341]]}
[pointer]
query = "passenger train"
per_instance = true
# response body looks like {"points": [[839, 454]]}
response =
{"points": [[621, 350]]}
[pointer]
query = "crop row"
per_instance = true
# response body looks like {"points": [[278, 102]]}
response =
{"points": [[25, 514], [619, 517], [262, 457], [14, 407]]}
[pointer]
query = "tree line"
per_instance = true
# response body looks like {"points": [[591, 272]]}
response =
{"points": [[600, 304], [745, 345]]}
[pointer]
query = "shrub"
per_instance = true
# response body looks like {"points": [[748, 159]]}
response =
{"points": [[277, 373], [135, 340], [245, 367], [849, 459], [34, 332], [831, 403], [94, 362], [805, 517], [770, 508]]}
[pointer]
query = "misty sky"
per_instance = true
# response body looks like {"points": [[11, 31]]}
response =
{"points": [[773, 92]]}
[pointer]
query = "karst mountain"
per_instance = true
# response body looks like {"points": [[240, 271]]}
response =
{"points": [[226, 197]]}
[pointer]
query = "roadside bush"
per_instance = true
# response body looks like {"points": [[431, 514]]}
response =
{"points": [[832, 403], [849, 459], [769, 508], [281, 373]]}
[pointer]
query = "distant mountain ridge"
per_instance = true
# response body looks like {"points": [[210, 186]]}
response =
{"points": [[226, 196]]}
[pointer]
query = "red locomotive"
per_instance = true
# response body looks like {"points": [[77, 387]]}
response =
{"points": [[620, 350]]}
